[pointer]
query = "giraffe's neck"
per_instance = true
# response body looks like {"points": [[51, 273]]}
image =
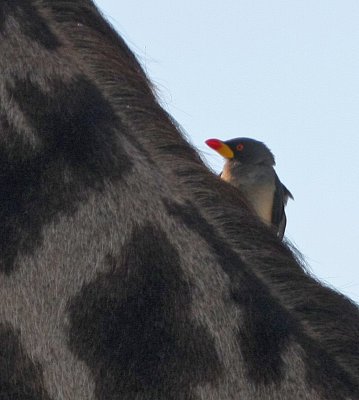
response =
{"points": [[127, 270]]}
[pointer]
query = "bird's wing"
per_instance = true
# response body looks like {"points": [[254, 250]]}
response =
{"points": [[286, 194], [281, 226], [281, 195]]}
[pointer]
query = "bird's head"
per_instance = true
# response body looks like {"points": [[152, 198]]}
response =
{"points": [[243, 150]]}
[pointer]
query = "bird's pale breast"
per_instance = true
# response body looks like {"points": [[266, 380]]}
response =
{"points": [[256, 184]]}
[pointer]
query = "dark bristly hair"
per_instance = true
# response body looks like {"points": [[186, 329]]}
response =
{"points": [[127, 269]]}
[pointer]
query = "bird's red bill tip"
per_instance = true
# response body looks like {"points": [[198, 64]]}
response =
{"points": [[214, 144]]}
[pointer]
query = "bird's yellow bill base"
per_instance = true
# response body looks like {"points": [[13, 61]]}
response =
{"points": [[220, 147]]}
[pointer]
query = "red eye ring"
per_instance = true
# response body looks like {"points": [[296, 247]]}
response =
{"points": [[240, 146]]}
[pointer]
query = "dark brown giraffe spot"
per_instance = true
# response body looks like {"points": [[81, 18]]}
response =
{"points": [[20, 377], [132, 327], [264, 330], [80, 147], [32, 25]]}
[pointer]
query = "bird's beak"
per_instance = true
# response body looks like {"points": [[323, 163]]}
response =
{"points": [[220, 147]]}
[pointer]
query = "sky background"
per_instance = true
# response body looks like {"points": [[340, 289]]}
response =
{"points": [[283, 72]]}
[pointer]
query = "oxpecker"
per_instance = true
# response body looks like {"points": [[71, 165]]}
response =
{"points": [[249, 166]]}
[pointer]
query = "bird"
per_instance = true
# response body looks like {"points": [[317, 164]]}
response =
{"points": [[249, 166]]}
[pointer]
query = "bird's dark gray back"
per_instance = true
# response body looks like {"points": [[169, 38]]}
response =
{"points": [[127, 270]]}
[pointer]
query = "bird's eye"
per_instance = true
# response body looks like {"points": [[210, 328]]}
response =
{"points": [[240, 146]]}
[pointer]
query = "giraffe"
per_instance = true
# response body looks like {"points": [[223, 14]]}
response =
{"points": [[127, 270]]}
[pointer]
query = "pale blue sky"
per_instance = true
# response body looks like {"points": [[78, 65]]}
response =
{"points": [[284, 72]]}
